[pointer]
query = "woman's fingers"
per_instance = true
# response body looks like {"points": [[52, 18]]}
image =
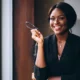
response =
{"points": [[54, 78], [35, 32], [33, 78], [36, 35]]}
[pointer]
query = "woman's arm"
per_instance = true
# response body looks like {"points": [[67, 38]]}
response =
{"points": [[38, 37], [40, 61], [40, 65]]}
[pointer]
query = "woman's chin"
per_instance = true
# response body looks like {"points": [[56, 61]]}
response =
{"points": [[57, 33]]}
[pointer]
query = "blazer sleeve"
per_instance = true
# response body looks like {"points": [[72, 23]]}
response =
{"points": [[39, 73], [76, 75], [78, 67], [69, 77]]}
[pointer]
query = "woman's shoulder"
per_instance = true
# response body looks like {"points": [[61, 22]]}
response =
{"points": [[75, 39], [74, 36], [49, 37]]}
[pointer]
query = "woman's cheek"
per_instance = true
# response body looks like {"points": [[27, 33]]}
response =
{"points": [[51, 24]]}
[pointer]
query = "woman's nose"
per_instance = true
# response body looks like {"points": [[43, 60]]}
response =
{"points": [[56, 21]]}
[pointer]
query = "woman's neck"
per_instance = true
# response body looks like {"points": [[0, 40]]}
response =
{"points": [[62, 37]]}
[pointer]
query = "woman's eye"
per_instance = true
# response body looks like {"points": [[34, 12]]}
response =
{"points": [[61, 18], [58, 18], [52, 19]]}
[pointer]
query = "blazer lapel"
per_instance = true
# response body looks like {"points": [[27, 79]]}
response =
{"points": [[53, 47], [53, 50], [67, 48]]}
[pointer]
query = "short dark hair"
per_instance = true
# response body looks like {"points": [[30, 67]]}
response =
{"points": [[68, 11]]}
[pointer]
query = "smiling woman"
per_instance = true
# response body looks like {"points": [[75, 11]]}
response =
{"points": [[58, 55], [58, 21]]}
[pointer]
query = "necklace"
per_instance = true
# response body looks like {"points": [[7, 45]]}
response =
{"points": [[60, 46], [59, 56]]}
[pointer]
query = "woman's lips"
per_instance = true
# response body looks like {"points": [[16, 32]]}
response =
{"points": [[57, 28]]}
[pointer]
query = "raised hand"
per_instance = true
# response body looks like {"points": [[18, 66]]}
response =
{"points": [[37, 36]]}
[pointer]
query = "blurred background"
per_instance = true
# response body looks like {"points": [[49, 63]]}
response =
{"points": [[16, 43]]}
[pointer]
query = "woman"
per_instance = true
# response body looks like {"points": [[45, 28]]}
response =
{"points": [[58, 55]]}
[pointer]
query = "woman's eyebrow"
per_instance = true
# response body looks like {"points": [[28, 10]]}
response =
{"points": [[57, 16]]}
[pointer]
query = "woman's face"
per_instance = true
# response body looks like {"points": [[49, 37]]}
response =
{"points": [[58, 21]]}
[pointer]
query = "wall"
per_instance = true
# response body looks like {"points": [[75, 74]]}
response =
{"points": [[0, 42], [22, 43], [6, 39], [76, 5]]}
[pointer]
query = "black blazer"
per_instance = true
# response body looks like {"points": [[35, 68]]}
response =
{"points": [[68, 67]]}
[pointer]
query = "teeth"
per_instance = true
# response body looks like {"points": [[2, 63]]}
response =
{"points": [[57, 27]]}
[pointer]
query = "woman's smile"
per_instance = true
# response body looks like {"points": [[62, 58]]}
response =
{"points": [[58, 21], [57, 28]]}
